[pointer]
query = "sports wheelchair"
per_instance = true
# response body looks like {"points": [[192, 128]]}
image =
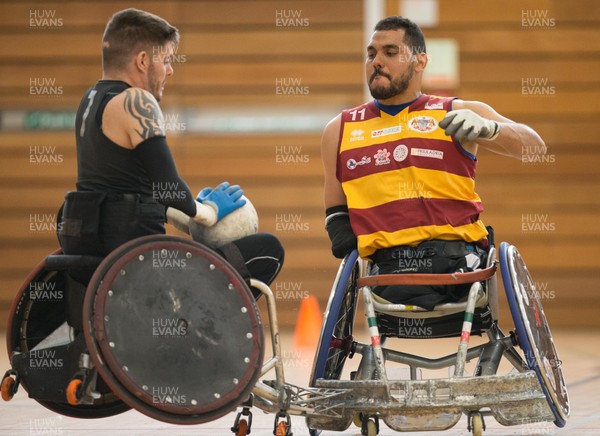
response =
{"points": [[534, 391], [163, 325], [166, 326]]}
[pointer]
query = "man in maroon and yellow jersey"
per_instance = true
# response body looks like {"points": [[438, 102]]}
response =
{"points": [[400, 169]]}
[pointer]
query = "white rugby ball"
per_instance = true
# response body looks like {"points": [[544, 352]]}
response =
{"points": [[239, 223]]}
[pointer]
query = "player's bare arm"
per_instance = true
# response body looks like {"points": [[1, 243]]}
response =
{"points": [[334, 195], [132, 117], [337, 219], [498, 133]]}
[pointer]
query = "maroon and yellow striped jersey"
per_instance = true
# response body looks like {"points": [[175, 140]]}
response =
{"points": [[404, 179]]}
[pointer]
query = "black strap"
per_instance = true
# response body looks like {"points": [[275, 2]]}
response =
{"points": [[233, 255]]}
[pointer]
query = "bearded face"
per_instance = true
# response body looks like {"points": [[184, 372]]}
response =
{"points": [[383, 86]]}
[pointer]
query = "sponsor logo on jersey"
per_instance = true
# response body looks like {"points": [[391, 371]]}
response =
{"points": [[424, 152], [430, 105], [382, 157], [357, 135], [352, 163], [400, 153], [386, 131], [422, 124]]}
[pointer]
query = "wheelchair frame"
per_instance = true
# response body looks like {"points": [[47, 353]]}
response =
{"points": [[536, 392]]}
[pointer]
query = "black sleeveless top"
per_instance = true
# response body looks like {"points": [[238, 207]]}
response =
{"points": [[103, 165]]}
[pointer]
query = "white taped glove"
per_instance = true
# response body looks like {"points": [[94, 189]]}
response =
{"points": [[178, 219], [205, 215], [466, 124]]}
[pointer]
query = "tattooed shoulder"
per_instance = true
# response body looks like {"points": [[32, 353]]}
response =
{"points": [[144, 108]]}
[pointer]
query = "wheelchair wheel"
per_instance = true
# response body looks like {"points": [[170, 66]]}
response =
{"points": [[336, 337], [33, 319], [336, 334], [173, 330], [533, 332]]}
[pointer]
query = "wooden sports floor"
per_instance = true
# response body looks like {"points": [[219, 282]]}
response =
{"points": [[579, 352]]}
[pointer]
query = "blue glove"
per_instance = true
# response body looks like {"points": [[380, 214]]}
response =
{"points": [[224, 198]]}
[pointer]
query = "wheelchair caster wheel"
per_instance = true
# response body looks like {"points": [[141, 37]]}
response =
{"points": [[476, 424], [242, 429], [243, 422], [74, 392], [9, 387], [357, 420], [283, 425], [369, 426], [282, 429], [370, 429]]}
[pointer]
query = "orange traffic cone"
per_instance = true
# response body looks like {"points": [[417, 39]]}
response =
{"points": [[308, 324]]}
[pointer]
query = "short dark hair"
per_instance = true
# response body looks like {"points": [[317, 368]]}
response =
{"points": [[131, 30], [413, 37]]}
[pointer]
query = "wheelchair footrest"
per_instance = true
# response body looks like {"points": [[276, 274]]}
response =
{"points": [[513, 399]]}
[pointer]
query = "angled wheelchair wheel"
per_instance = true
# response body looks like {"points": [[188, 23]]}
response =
{"points": [[336, 334], [336, 338], [38, 309], [173, 330], [533, 332]]}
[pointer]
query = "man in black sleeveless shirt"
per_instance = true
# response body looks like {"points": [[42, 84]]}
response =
{"points": [[128, 184]]}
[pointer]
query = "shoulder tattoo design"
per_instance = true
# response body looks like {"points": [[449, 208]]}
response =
{"points": [[141, 106]]}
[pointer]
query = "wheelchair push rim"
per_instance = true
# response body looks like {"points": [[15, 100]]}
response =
{"points": [[533, 332], [173, 329]]}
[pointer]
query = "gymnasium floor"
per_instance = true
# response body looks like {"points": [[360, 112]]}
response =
{"points": [[578, 351]]}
